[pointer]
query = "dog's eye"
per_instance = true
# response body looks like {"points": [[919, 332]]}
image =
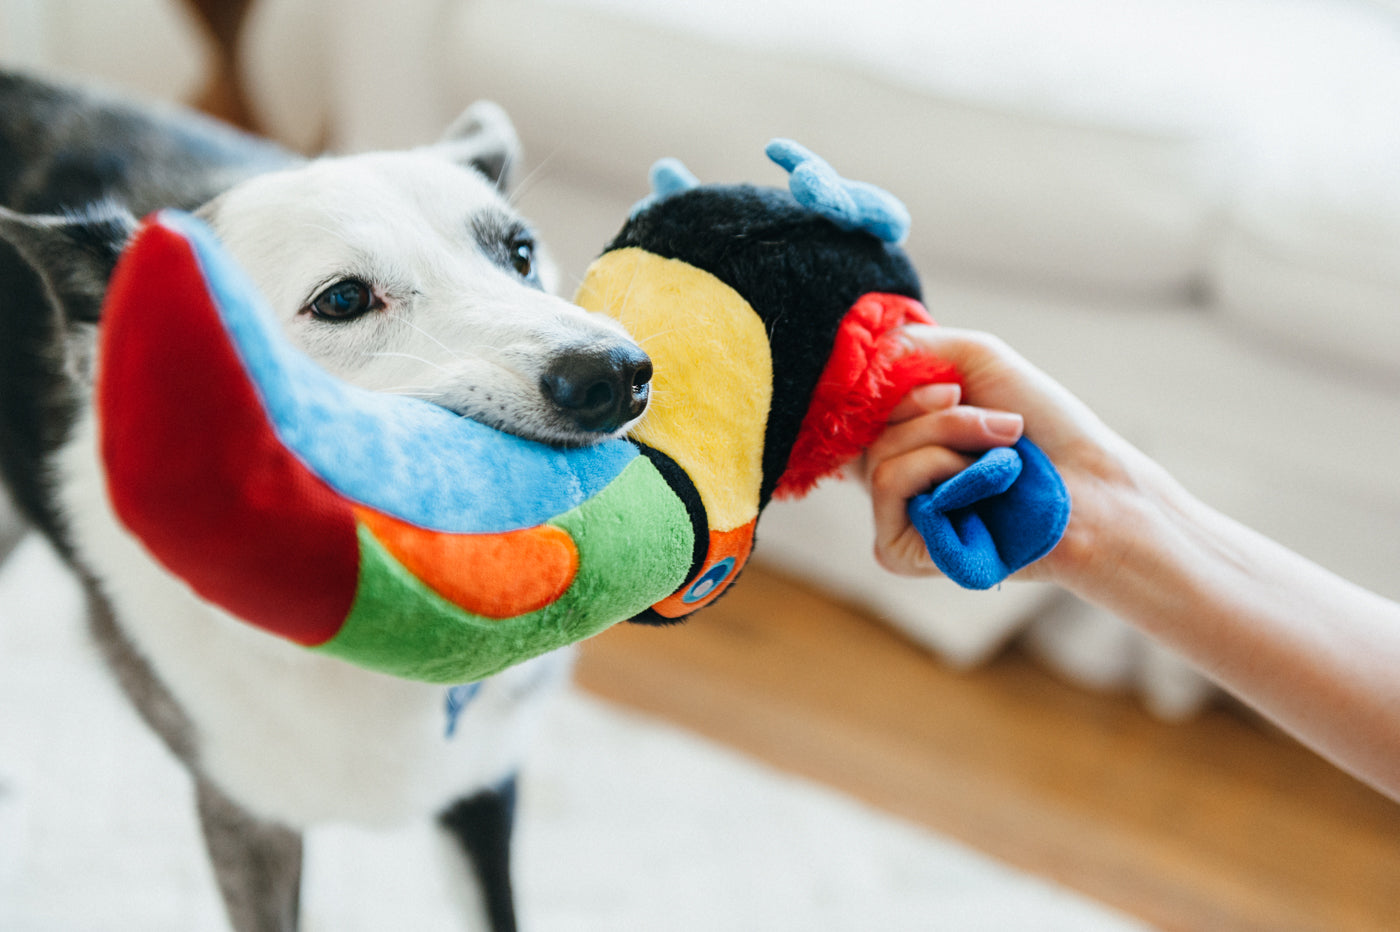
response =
{"points": [[345, 300], [522, 256]]}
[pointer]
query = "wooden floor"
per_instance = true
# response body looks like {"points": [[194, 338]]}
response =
{"points": [[1217, 824]]}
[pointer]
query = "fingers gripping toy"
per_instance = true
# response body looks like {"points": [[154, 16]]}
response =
{"points": [[396, 535]]}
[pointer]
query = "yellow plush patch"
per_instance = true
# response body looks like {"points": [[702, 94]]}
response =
{"points": [[713, 382]]}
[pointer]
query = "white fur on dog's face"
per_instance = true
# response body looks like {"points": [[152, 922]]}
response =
{"points": [[453, 320]]}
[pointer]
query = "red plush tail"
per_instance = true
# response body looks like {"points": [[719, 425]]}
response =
{"points": [[869, 372]]}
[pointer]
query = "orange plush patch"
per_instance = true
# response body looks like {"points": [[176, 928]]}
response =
{"points": [[729, 551], [492, 575]]}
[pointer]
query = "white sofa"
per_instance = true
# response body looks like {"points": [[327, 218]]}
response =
{"points": [[1186, 210], [156, 48]]}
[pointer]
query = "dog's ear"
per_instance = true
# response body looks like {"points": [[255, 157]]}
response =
{"points": [[70, 258], [483, 138], [73, 255]]}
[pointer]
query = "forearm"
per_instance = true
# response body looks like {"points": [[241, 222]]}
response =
{"points": [[1318, 655], [1311, 651]]}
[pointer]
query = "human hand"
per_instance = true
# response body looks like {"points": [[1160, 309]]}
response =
{"points": [[931, 437], [1314, 653]]}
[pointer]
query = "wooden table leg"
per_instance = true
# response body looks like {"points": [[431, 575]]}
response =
{"points": [[223, 95]]}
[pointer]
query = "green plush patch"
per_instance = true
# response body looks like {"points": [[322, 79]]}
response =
{"points": [[635, 543]]}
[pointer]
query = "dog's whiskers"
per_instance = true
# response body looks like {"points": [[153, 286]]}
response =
{"points": [[523, 185], [445, 348], [426, 362], [652, 337], [627, 295], [415, 391], [624, 308]]}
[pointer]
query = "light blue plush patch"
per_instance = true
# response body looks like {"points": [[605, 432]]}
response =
{"points": [[458, 697], [668, 176], [402, 456], [854, 205]]}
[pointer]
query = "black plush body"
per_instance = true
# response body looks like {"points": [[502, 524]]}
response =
{"points": [[798, 270]]}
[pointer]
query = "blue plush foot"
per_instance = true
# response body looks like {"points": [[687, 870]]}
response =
{"points": [[1002, 513]]}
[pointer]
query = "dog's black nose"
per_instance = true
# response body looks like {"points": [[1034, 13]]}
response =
{"points": [[600, 388]]}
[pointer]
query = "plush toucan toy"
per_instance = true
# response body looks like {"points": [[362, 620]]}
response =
{"points": [[768, 315]]}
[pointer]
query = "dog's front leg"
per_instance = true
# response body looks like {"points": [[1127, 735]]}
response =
{"points": [[257, 863], [481, 825]]}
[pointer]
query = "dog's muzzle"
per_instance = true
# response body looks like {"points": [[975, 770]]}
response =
{"points": [[600, 388]]}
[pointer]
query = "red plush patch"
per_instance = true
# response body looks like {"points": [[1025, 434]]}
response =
{"points": [[868, 374], [194, 468]]}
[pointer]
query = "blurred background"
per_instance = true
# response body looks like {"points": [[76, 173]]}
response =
{"points": [[1188, 211]]}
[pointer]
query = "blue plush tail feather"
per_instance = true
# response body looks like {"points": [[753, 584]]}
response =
{"points": [[1000, 514]]}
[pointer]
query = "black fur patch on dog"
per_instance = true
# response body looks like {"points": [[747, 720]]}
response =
{"points": [[483, 825], [37, 400], [98, 160]]}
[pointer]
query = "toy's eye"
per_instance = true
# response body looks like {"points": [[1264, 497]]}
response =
{"points": [[345, 300], [522, 256]]}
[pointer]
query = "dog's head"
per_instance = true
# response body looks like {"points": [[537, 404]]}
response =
{"points": [[404, 272]]}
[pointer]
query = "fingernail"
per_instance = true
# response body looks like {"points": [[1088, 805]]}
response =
{"points": [[1003, 425], [937, 396], [904, 344], [907, 336]]}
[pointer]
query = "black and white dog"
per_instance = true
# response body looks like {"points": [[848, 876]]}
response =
{"points": [[402, 272]]}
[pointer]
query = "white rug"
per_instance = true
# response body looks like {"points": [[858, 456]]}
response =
{"points": [[626, 824]]}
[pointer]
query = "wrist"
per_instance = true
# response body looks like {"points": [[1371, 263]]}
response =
{"points": [[1126, 530], [1168, 562]]}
